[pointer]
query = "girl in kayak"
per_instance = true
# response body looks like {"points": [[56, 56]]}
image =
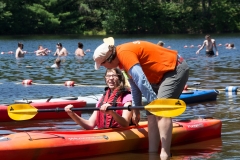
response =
{"points": [[155, 72], [117, 95]]}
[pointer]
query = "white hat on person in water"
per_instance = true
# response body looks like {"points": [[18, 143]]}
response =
{"points": [[160, 43], [103, 51]]}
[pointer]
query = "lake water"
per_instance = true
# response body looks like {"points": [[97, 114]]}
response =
{"points": [[213, 73]]}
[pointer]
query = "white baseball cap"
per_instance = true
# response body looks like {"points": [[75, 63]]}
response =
{"points": [[101, 53]]}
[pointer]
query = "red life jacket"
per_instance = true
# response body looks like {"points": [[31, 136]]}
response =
{"points": [[115, 99]]}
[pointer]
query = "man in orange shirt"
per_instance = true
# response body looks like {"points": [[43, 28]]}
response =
{"points": [[155, 72]]}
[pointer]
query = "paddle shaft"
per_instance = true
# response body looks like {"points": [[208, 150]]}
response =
{"points": [[90, 109], [158, 107]]}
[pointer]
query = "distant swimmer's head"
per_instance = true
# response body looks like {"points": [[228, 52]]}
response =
{"points": [[20, 45], [80, 45], [160, 43], [59, 44], [207, 36], [231, 45]]}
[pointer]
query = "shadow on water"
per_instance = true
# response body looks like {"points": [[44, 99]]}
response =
{"points": [[203, 150]]}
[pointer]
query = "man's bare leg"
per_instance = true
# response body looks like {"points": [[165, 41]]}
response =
{"points": [[165, 129], [153, 134]]}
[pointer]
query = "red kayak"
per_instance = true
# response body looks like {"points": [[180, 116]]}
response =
{"points": [[45, 105], [60, 145]]}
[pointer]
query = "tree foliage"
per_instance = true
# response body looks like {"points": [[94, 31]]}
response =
{"points": [[119, 16]]}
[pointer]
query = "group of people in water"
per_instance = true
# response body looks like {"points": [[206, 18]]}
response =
{"points": [[60, 51], [210, 44]]}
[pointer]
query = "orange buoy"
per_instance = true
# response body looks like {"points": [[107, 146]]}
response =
{"points": [[69, 83], [27, 82]]}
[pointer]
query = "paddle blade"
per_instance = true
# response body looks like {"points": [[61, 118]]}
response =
{"points": [[166, 107], [20, 112]]}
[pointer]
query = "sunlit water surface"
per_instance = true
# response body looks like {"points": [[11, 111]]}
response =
{"points": [[213, 73]]}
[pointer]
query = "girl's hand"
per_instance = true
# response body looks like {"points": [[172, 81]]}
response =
{"points": [[104, 108], [68, 108]]}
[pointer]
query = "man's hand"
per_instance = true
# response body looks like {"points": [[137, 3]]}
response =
{"points": [[136, 116]]}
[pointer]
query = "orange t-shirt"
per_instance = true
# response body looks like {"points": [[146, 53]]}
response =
{"points": [[154, 60]]}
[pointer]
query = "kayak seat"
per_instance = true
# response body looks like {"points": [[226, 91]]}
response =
{"points": [[187, 92], [27, 102], [69, 98]]}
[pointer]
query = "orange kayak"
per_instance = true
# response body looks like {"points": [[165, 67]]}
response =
{"points": [[60, 145], [45, 105]]}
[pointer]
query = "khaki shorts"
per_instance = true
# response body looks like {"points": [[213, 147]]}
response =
{"points": [[172, 83]]}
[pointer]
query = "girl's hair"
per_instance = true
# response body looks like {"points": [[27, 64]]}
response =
{"points": [[80, 45], [122, 83]]}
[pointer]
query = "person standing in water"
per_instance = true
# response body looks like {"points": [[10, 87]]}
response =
{"points": [[79, 51], [61, 51], [230, 46], [41, 51], [57, 63], [209, 43], [19, 52]]}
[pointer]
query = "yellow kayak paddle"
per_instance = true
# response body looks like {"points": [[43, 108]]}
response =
{"points": [[158, 107]]}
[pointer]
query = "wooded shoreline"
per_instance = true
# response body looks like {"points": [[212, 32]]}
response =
{"points": [[92, 17]]}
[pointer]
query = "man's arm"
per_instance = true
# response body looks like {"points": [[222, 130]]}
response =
{"points": [[17, 53], [142, 83], [201, 47], [139, 85], [55, 53], [65, 52], [214, 44]]}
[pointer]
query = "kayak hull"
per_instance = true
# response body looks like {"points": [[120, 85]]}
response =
{"points": [[62, 145], [45, 105], [197, 96]]}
